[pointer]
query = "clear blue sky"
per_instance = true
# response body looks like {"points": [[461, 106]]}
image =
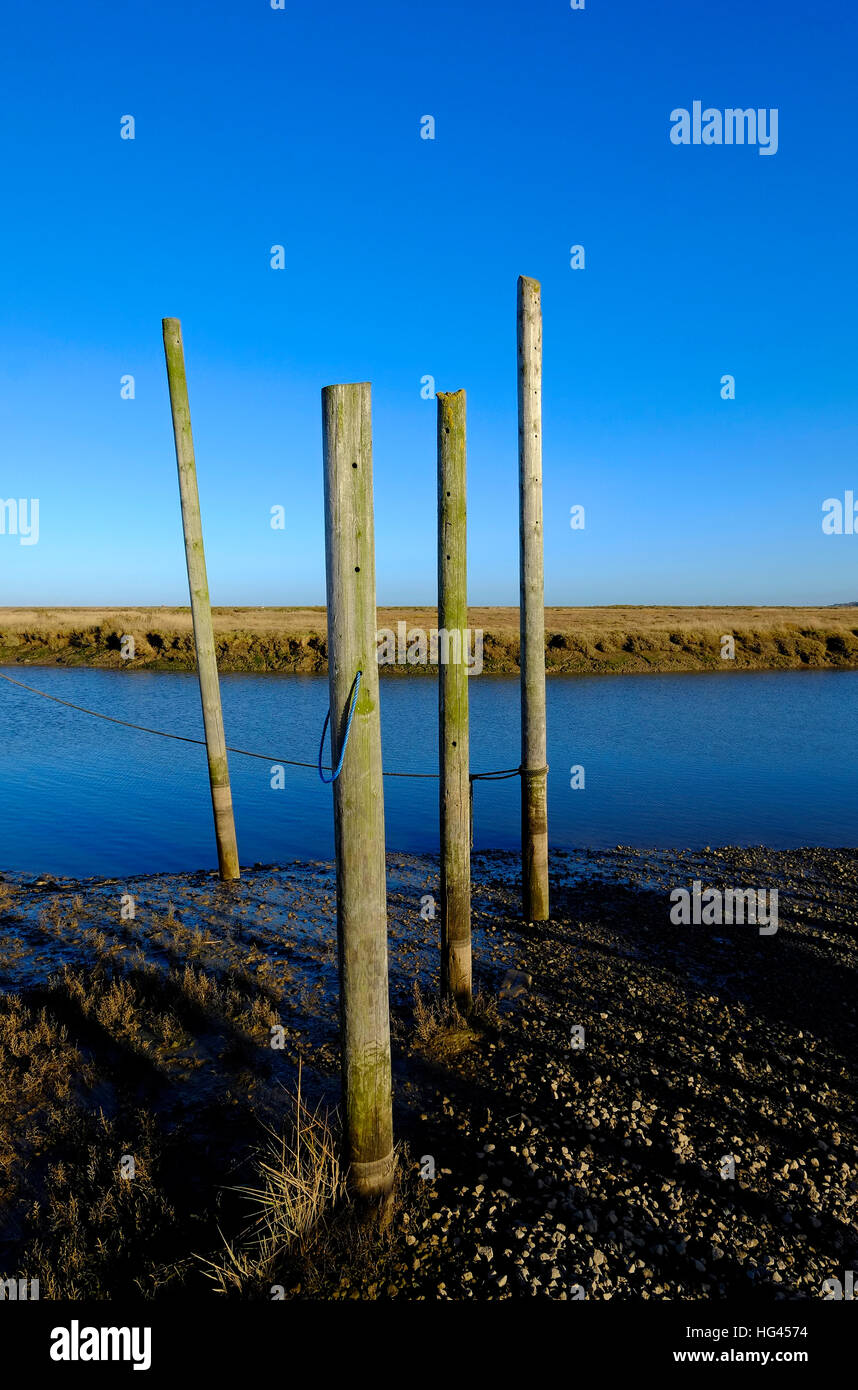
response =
{"points": [[301, 127]]}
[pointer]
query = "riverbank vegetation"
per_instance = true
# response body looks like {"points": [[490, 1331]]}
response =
{"points": [[577, 640]]}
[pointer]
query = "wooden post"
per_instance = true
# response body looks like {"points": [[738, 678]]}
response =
{"points": [[453, 704], [358, 791], [534, 769], [227, 850]]}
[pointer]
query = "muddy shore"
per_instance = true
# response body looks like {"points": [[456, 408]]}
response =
{"points": [[560, 1171]]}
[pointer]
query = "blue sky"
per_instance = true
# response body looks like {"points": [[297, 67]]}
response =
{"points": [[301, 127]]}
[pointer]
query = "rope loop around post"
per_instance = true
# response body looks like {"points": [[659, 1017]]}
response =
{"points": [[339, 767], [535, 771]]}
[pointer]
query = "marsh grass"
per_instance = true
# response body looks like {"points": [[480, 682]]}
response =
{"points": [[305, 1237], [70, 1112], [300, 1186], [86, 1064], [80, 1228], [441, 1029], [623, 637]]}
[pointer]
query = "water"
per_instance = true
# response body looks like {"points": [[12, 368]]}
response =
{"points": [[675, 760]]}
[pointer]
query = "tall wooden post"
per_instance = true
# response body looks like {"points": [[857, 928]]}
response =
{"points": [[534, 769], [358, 792], [227, 849], [453, 704]]}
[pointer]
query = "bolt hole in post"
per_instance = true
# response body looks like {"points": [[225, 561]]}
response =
{"points": [[454, 786], [358, 797], [534, 811]]}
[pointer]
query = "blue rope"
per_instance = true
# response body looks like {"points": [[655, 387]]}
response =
{"points": [[339, 767]]}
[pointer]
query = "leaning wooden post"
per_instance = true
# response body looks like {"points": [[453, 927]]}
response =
{"points": [[227, 850], [534, 769], [453, 704], [358, 792]]}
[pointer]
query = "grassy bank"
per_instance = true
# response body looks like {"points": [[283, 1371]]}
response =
{"points": [[577, 640]]}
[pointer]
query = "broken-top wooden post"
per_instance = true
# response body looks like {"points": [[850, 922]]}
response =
{"points": [[534, 769], [227, 850], [453, 703], [358, 790]]}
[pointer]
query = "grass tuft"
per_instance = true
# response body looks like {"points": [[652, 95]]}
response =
{"points": [[300, 1186], [440, 1027]]}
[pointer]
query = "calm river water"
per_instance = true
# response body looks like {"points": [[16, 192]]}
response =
{"points": [[676, 760]]}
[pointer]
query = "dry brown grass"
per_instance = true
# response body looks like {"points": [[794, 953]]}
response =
{"points": [[60, 1165], [441, 1029], [85, 1231], [578, 640], [152, 1003], [300, 1186], [613, 617], [84, 1063]]}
